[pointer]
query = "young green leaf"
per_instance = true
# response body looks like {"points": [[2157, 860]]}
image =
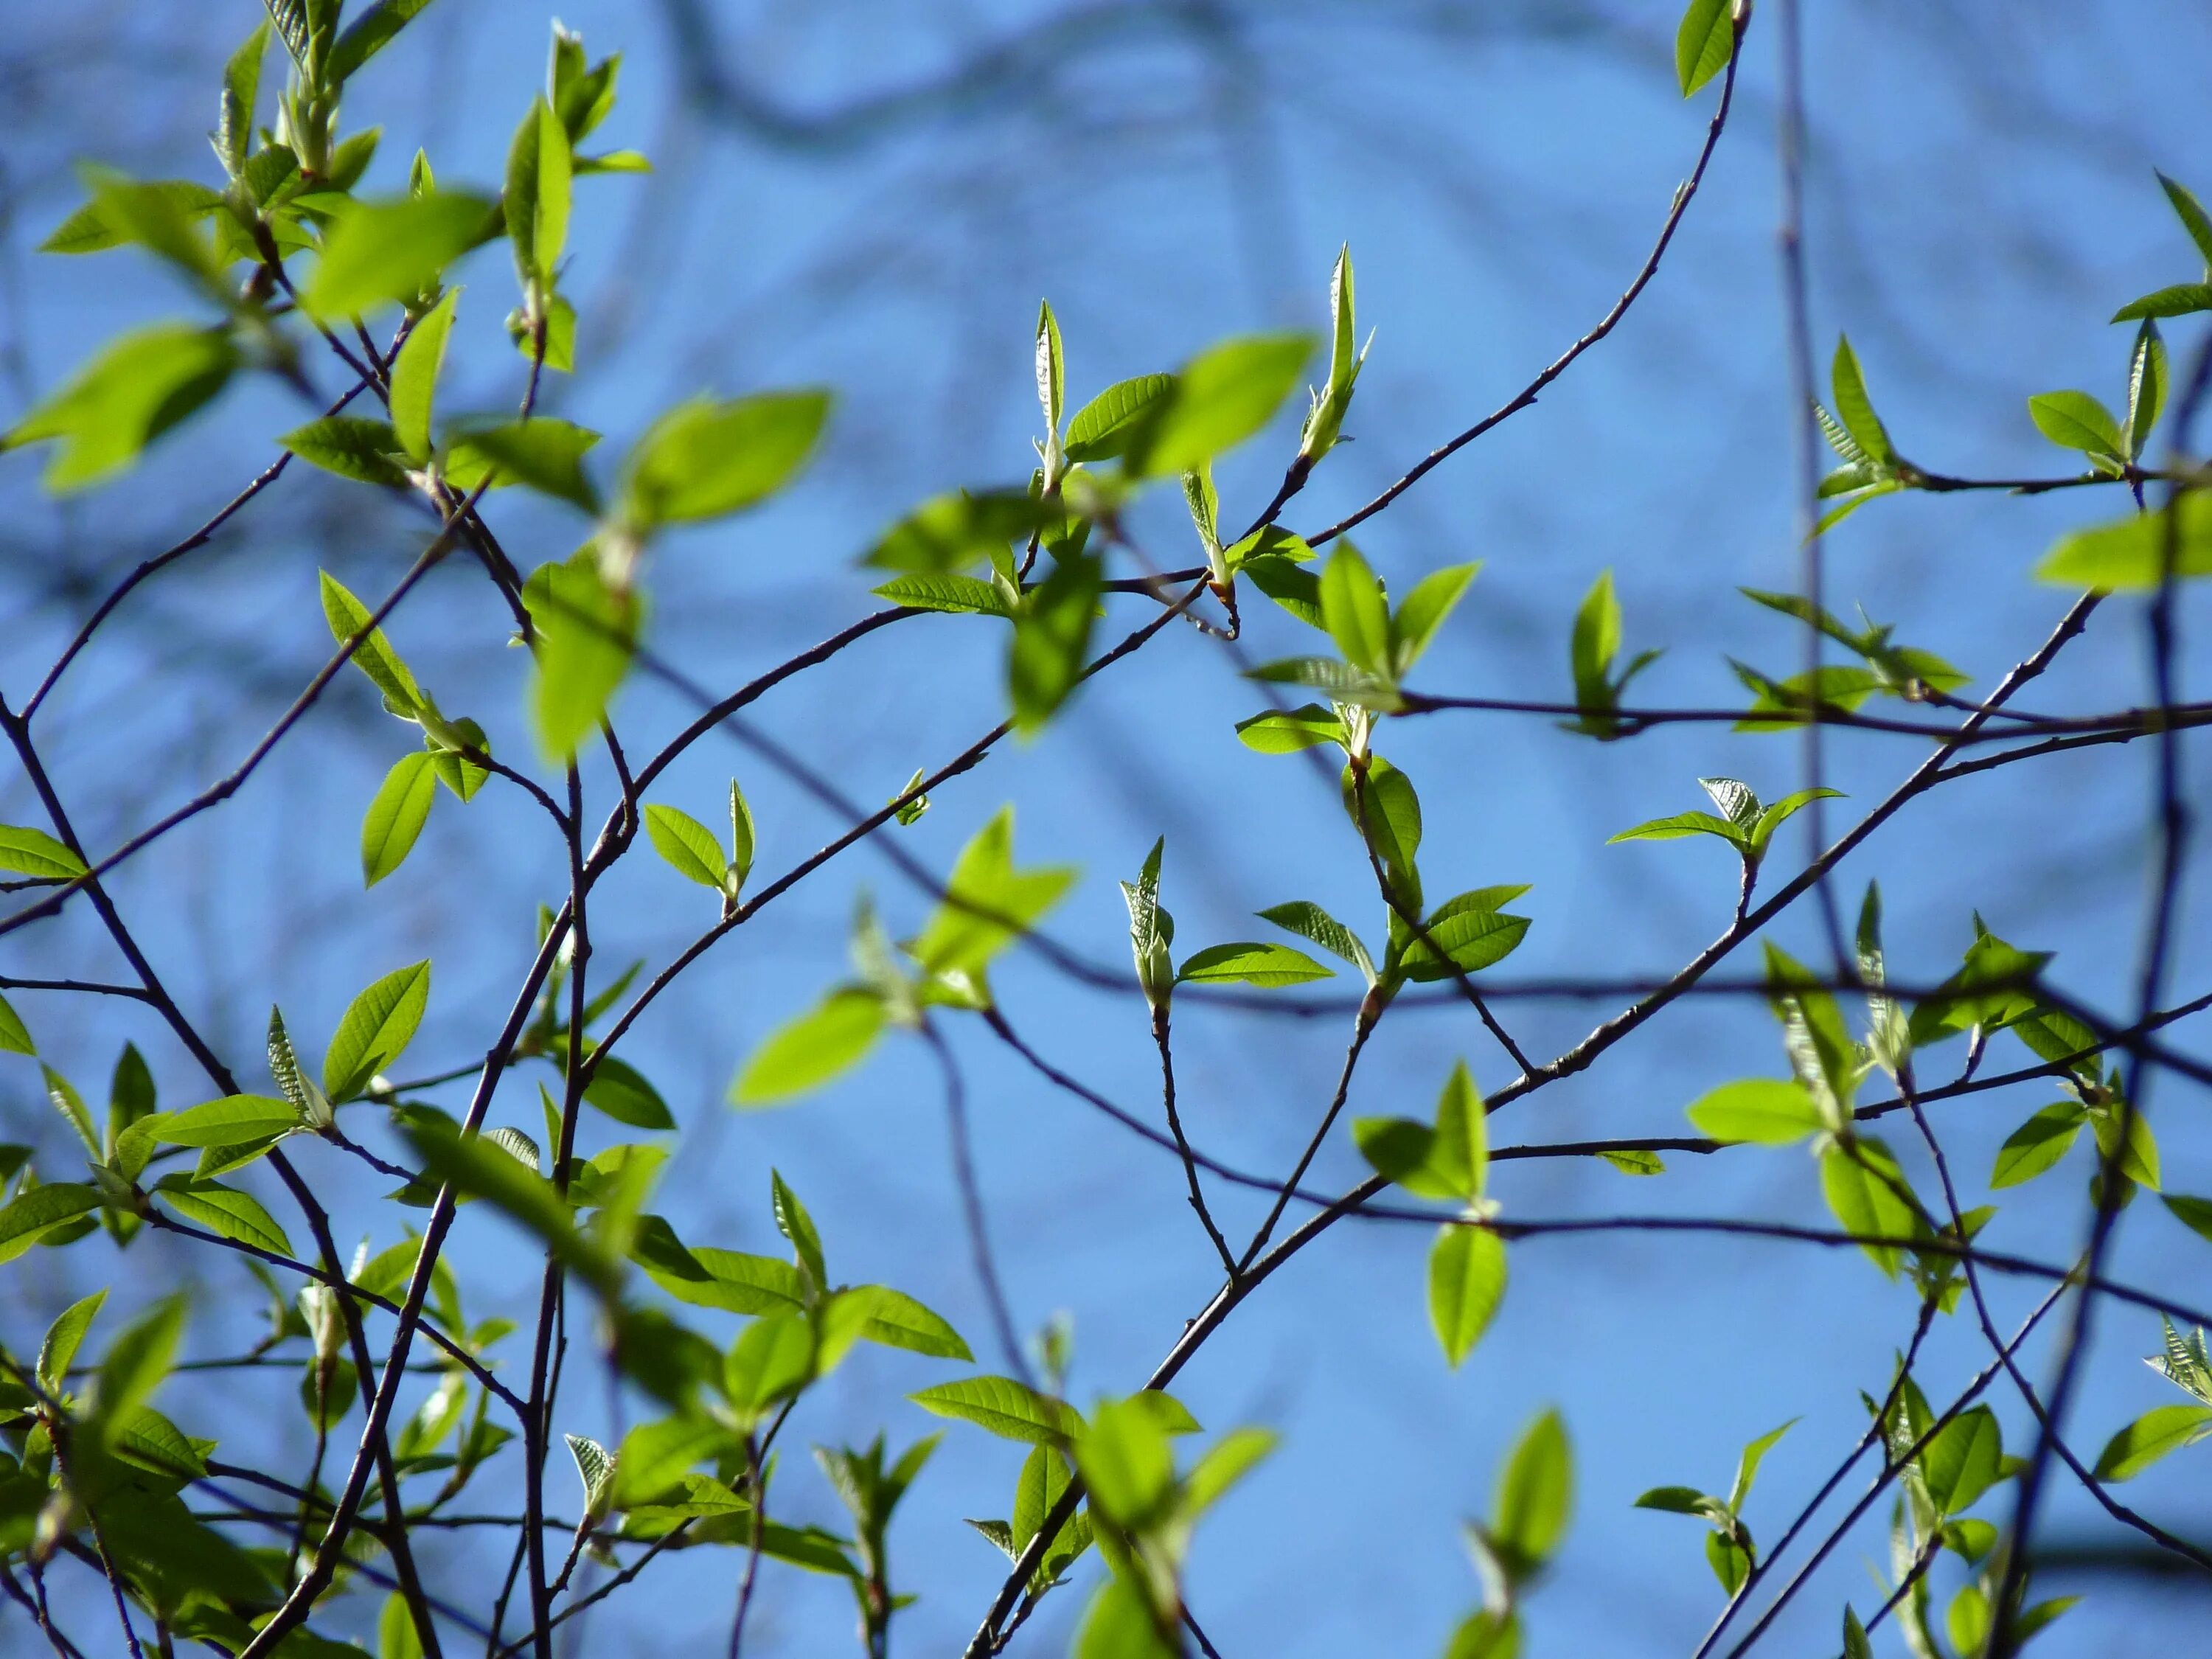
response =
{"points": [[476, 1167], [704, 1277], [1127, 1463], [688, 847], [1853, 407], [1385, 810], [945, 591], [41, 1210], [395, 816], [1963, 1460], [1423, 612], [1312, 923], [541, 453], [1868, 1194], [1267, 965], [539, 167], [621, 1091], [136, 389], [1010, 1410], [62, 1339], [70, 1104], [741, 834], [705, 459], [1052, 638], [797, 1229], [1535, 1496], [14, 1035], [348, 616], [988, 901], [2039, 1144], [1773, 817], [586, 632], [241, 81], [377, 1027], [1151, 930], [1462, 1143], [583, 92], [1325, 420], [1289, 732], [1765, 1111], [368, 33], [2151, 1437], [2181, 300], [1106, 426], [1704, 43], [225, 1211], [232, 1120], [380, 253], [1342, 682], [34, 853], [2074, 419], [2147, 383], [350, 446], [1218, 399], [1747, 1467], [2194, 219], [830, 1038], [1466, 1281], [1353, 611], [135, 1366], [1471, 930], [1679, 824], [415, 377], [896, 1319], [2130, 554], [2194, 1213], [966, 528], [2137, 1157]]}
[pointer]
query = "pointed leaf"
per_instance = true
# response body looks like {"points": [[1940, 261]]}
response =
{"points": [[1466, 1281]]}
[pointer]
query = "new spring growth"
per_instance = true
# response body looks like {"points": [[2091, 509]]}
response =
{"points": [[1325, 420], [1152, 931]]}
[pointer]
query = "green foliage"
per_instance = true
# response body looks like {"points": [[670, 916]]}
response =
{"points": [[705, 459], [1467, 1282], [1325, 421], [2185, 297], [1144, 1513], [1704, 43], [587, 628], [1528, 1519], [1448, 1160], [129, 394], [376, 1029], [1216, 401], [1009, 1409], [1745, 822], [2135, 553], [1592, 648], [392, 252], [35, 853]]}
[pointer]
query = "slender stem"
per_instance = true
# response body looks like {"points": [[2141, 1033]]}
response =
{"points": [[1162, 1037], [1684, 195], [971, 1206], [756, 1533], [1363, 1027]]}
